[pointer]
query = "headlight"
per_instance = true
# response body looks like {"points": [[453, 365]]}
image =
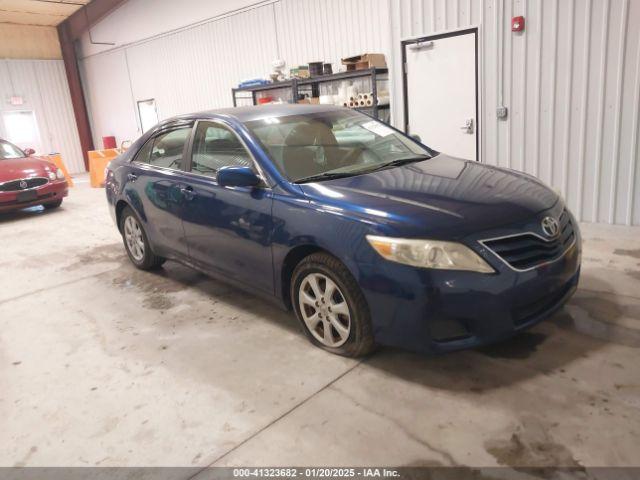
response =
{"points": [[52, 176], [429, 254], [59, 174]]}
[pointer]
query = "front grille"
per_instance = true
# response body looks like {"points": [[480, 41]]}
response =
{"points": [[14, 185], [527, 250]]}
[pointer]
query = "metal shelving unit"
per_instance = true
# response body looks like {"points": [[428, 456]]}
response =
{"points": [[293, 89]]}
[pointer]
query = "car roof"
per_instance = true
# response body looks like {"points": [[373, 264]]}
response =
{"points": [[257, 112]]}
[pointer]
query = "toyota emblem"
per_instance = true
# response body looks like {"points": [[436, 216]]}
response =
{"points": [[23, 184], [550, 226]]}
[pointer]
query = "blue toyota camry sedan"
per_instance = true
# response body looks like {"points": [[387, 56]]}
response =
{"points": [[368, 235]]}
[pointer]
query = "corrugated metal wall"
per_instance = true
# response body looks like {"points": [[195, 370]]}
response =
{"points": [[571, 81], [43, 85]]}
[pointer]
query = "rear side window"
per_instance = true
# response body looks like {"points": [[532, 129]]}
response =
{"points": [[214, 147], [165, 150]]}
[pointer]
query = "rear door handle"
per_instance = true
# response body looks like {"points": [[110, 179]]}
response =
{"points": [[188, 193], [132, 177]]}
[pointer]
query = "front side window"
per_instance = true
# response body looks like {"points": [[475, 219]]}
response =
{"points": [[166, 149], [214, 147], [8, 150], [333, 144]]}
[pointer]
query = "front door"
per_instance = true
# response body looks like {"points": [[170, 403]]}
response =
{"points": [[228, 229], [154, 189], [441, 92]]}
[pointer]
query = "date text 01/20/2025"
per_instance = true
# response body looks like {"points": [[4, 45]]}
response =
{"points": [[315, 472]]}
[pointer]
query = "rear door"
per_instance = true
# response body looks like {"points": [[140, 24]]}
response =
{"points": [[228, 229], [155, 190]]}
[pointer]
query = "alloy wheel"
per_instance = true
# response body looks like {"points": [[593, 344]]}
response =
{"points": [[324, 310], [133, 237]]}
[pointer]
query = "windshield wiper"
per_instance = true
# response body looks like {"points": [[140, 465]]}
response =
{"points": [[393, 163], [325, 176], [397, 162]]}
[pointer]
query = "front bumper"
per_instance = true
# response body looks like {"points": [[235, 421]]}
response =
{"points": [[48, 193], [439, 311]]}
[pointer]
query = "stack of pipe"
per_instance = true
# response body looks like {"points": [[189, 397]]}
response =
{"points": [[349, 98], [367, 99]]}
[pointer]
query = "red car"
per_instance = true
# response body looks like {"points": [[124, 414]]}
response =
{"points": [[26, 181]]}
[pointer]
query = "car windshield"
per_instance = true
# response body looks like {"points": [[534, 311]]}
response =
{"points": [[8, 150], [332, 144]]}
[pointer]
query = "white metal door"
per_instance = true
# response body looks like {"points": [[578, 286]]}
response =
{"points": [[441, 90], [148, 114], [21, 129]]}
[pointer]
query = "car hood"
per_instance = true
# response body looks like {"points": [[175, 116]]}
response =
{"points": [[14, 168], [442, 197]]}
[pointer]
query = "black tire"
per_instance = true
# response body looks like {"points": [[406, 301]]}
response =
{"points": [[149, 260], [360, 340], [52, 205]]}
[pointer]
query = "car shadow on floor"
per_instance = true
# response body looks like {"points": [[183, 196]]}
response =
{"points": [[27, 213], [158, 285]]}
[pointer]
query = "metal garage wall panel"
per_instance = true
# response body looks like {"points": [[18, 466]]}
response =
{"points": [[43, 85], [195, 69], [329, 30], [107, 93], [571, 81], [188, 70]]}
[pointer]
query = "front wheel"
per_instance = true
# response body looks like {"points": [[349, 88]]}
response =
{"points": [[136, 242], [331, 307]]}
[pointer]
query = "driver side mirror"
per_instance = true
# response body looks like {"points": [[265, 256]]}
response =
{"points": [[416, 137], [237, 177], [29, 151]]}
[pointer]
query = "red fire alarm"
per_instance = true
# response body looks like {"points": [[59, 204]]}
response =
{"points": [[517, 24]]}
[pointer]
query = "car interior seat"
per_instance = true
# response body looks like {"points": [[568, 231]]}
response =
{"points": [[310, 149]]}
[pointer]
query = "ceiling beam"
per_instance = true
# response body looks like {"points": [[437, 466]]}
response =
{"points": [[87, 16]]}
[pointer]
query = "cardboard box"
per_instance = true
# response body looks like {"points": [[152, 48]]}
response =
{"points": [[312, 100], [299, 72], [98, 161], [364, 61]]}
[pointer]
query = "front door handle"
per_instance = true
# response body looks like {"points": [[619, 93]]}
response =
{"points": [[132, 177], [188, 193]]}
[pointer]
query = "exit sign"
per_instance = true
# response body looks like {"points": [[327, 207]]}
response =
{"points": [[16, 100]]}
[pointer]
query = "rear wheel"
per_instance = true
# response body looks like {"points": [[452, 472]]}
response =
{"points": [[136, 242], [51, 205], [331, 307]]}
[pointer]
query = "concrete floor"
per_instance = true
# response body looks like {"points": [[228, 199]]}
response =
{"points": [[101, 364]]}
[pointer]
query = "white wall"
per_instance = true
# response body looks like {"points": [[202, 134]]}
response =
{"points": [[144, 19], [43, 86], [571, 81]]}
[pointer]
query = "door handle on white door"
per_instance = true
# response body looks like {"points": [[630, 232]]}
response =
{"points": [[468, 126], [421, 45]]}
